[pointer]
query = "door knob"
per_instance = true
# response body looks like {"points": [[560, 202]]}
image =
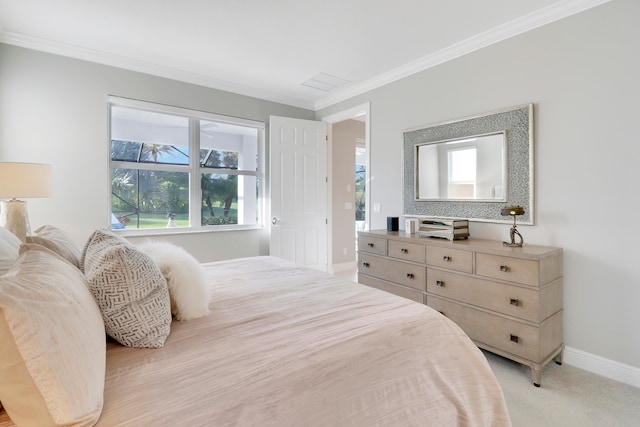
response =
{"points": [[274, 221]]}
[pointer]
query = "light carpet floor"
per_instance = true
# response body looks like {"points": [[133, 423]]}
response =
{"points": [[568, 397]]}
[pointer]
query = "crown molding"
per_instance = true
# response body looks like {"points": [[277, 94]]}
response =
{"points": [[518, 26], [118, 61], [510, 29]]}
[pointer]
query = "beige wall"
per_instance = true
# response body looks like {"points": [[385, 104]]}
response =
{"points": [[343, 159], [583, 74], [53, 110]]}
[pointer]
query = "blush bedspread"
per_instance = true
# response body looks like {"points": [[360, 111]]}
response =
{"points": [[286, 345]]}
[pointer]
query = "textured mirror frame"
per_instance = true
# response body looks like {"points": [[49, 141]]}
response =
{"points": [[517, 122]]}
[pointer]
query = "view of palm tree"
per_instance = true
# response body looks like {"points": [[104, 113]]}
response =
{"points": [[147, 198], [151, 152]]}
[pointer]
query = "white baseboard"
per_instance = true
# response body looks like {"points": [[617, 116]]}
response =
{"points": [[599, 365], [345, 266]]}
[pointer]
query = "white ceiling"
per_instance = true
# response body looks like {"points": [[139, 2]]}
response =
{"points": [[268, 48]]}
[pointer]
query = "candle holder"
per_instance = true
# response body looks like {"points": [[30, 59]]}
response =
{"points": [[513, 232]]}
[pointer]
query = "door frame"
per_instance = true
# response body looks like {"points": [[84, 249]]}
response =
{"points": [[330, 119]]}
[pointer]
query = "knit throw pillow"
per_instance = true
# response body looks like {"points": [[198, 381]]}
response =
{"points": [[130, 290]]}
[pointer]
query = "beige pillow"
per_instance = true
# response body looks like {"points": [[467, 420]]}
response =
{"points": [[130, 290], [58, 241], [52, 356]]}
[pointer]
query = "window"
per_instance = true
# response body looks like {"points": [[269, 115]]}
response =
{"points": [[361, 191], [462, 172], [157, 183]]}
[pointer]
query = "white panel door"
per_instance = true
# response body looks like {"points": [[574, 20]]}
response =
{"points": [[298, 181]]}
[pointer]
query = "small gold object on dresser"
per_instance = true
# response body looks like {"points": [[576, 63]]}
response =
{"points": [[508, 300], [450, 229], [513, 232]]}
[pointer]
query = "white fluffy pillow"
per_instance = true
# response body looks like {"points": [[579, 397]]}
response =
{"points": [[9, 249], [190, 294]]}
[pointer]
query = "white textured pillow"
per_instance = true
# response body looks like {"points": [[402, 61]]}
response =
{"points": [[130, 290], [188, 288], [58, 241], [52, 357], [9, 249]]}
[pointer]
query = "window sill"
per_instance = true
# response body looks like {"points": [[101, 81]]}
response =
{"points": [[140, 232]]}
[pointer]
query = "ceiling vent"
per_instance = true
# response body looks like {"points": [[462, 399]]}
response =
{"points": [[324, 82]]}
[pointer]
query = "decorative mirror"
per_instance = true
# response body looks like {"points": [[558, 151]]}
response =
{"points": [[471, 168]]}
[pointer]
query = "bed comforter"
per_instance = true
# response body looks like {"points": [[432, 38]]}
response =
{"points": [[286, 345]]}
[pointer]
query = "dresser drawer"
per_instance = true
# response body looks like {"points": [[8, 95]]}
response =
{"points": [[372, 245], [508, 335], [507, 268], [453, 259], [414, 252], [409, 293], [403, 273], [502, 298]]}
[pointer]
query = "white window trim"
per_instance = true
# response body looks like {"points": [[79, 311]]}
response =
{"points": [[194, 168]]}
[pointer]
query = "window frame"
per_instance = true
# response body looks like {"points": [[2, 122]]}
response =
{"points": [[193, 169]]}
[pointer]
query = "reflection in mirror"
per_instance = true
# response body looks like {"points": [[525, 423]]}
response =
{"points": [[470, 168]]}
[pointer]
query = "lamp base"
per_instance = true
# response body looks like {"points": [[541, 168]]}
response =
{"points": [[13, 217]]}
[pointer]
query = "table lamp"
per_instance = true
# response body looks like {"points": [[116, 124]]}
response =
{"points": [[513, 211], [24, 180]]}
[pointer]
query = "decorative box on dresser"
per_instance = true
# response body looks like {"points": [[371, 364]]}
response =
{"points": [[508, 300]]}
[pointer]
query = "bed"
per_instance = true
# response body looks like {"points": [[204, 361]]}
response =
{"points": [[286, 345]]}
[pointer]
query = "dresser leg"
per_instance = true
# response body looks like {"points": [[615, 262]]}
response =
{"points": [[536, 375], [558, 358]]}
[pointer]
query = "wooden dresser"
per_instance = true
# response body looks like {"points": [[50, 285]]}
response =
{"points": [[508, 300]]}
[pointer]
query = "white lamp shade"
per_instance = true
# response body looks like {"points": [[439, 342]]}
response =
{"points": [[25, 180]]}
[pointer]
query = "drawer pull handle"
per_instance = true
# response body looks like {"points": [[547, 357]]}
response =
{"points": [[514, 301], [410, 276], [446, 258], [370, 245], [514, 338], [504, 268], [440, 283], [404, 251], [366, 264]]}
